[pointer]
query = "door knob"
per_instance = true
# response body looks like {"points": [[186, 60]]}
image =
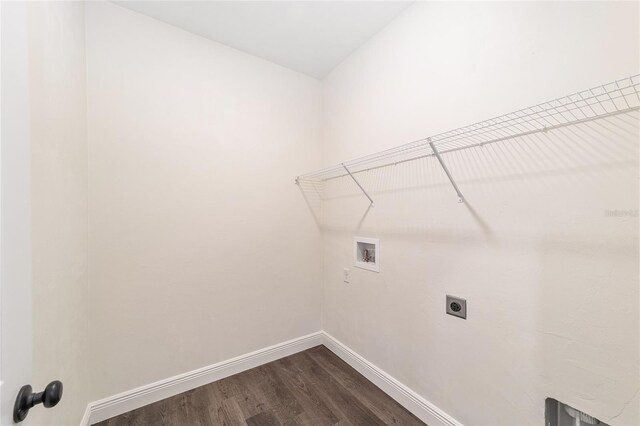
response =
{"points": [[26, 399]]}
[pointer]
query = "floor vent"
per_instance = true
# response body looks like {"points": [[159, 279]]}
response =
{"points": [[557, 413]]}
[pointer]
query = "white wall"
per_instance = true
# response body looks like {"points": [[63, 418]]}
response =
{"points": [[200, 248], [15, 207], [59, 206], [551, 281]]}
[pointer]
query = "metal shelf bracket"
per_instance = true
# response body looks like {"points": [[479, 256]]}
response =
{"points": [[358, 183], [446, 170]]}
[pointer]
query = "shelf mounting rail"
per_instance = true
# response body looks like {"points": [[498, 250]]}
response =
{"points": [[610, 99]]}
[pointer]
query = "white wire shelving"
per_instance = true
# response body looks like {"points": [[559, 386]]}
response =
{"points": [[609, 99]]}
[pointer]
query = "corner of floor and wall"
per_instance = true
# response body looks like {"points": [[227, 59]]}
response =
{"points": [[173, 248]]}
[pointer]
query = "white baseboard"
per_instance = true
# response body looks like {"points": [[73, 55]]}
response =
{"points": [[118, 404], [144, 395], [86, 417], [420, 407]]}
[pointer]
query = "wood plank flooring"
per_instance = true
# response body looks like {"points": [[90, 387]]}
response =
{"points": [[313, 387]]}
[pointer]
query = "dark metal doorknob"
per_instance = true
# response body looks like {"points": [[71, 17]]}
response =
{"points": [[26, 399]]}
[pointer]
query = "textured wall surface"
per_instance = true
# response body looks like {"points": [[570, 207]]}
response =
{"points": [[551, 278], [201, 248]]}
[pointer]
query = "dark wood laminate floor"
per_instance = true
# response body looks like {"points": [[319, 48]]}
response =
{"points": [[313, 387]]}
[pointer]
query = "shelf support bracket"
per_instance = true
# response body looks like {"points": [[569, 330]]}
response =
{"points": [[357, 183], [446, 170]]}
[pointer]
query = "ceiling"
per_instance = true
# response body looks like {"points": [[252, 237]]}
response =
{"points": [[311, 37]]}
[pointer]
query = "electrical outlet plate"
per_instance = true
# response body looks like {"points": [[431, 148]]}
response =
{"points": [[346, 275], [457, 306]]}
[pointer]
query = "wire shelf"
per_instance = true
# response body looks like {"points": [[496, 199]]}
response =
{"points": [[609, 99]]}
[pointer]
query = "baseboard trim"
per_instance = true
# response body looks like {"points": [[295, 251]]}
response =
{"points": [[144, 395], [118, 404], [86, 417], [420, 407]]}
